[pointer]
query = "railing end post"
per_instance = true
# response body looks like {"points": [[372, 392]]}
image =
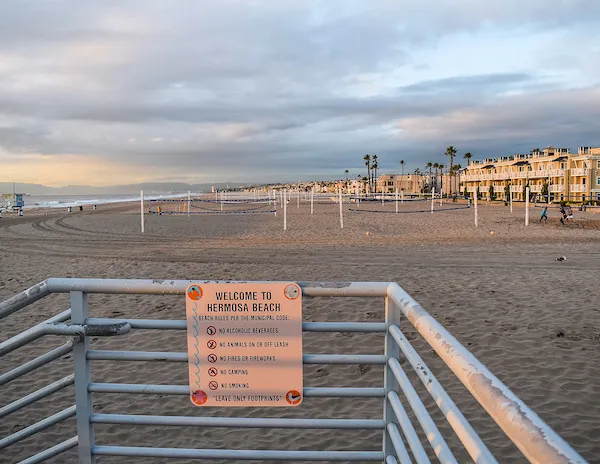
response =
{"points": [[83, 398]]}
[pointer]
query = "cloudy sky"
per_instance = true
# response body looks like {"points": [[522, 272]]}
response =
{"points": [[107, 92]]}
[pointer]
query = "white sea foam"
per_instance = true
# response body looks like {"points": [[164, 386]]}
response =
{"points": [[56, 201]]}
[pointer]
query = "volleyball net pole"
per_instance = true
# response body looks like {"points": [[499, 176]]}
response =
{"points": [[142, 209], [284, 194], [341, 207], [432, 198], [526, 206], [475, 195]]}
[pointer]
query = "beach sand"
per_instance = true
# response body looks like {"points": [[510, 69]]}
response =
{"points": [[533, 321]]}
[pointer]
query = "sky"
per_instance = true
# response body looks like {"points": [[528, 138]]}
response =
{"points": [[117, 92]]}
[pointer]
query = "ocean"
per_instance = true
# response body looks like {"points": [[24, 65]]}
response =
{"points": [[64, 201]]}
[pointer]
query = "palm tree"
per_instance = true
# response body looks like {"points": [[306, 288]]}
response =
{"points": [[451, 153], [436, 166], [346, 172], [375, 166], [401, 167], [367, 159], [429, 165], [417, 172], [441, 177], [468, 157]]}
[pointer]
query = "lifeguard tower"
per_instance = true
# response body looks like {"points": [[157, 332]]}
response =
{"points": [[11, 201]]}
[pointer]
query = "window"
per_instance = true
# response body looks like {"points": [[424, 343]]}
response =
{"points": [[598, 181], [583, 181], [598, 165]]}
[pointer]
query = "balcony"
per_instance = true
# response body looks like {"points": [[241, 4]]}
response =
{"points": [[578, 188], [498, 188], [516, 188], [535, 188], [472, 189], [579, 172], [542, 173], [547, 173], [556, 188]]}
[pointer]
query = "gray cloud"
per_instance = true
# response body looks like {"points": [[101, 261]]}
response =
{"points": [[292, 87]]}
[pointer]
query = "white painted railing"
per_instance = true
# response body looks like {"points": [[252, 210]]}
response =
{"points": [[535, 439], [579, 172], [578, 188]]}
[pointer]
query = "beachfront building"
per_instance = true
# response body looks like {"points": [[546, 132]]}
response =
{"points": [[408, 183], [557, 172]]}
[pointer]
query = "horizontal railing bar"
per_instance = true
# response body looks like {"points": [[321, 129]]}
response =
{"points": [[59, 328], [22, 338], [466, 434], [435, 438], [399, 447], [416, 447], [178, 287], [37, 427], [315, 392], [242, 455], [160, 324], [51, 452], [36, 363], [534, 438], [25, 337], [391, 460], [344, 327], [26, 297], [239, 422], [37, 395], [170, 324], [172, 356]]}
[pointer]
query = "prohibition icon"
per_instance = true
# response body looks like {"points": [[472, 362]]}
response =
{"points": [[211, 344], [212, 372], [293, 397], [212, 358], [210, 330], [198, 397], [291, 292], [213, 385]]}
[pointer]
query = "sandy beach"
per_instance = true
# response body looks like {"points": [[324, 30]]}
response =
{"points": [[533, 321]]}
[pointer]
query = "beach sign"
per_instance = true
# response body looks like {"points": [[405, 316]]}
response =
{"points": [[244, 344]]}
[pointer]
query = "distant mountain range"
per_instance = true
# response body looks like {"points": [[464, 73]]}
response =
{"points": [[148, 187]]}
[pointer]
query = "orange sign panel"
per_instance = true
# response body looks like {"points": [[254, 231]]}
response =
{"points": [[244, 344]]}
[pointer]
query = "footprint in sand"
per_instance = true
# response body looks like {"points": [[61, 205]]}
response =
{"points": [[363, 369]]}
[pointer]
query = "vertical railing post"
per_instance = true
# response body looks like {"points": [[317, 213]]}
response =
{"points": [[392, 350], [83, 398]]}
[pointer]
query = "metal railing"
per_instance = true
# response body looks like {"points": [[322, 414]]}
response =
{"points": [[401, 441]]}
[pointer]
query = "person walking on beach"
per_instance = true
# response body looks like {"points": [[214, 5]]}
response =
{"points": [[563, 215], [544, 214]]}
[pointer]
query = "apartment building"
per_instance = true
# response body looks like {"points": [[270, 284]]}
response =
{"points": [[408, 183], [557, 172]]}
